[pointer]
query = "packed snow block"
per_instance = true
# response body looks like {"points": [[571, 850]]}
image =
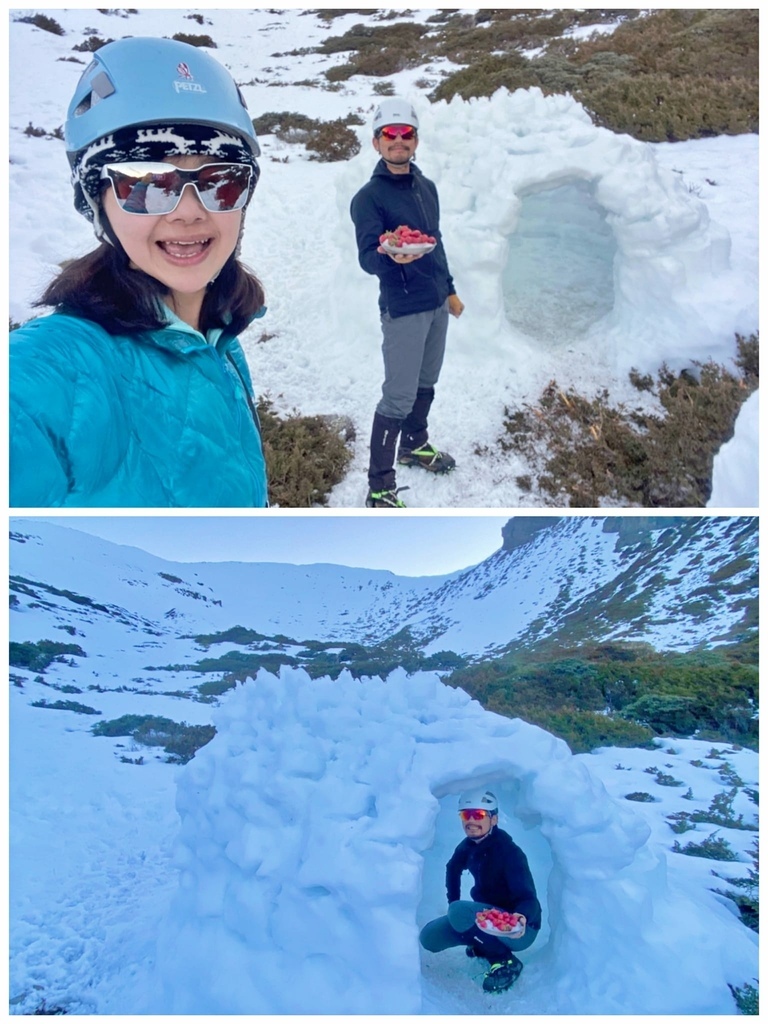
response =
{"points": [[567, 236], [314, 832], [736, 471]]}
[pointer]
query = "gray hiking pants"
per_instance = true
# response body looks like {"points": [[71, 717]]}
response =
{"points": [[413, 348], [458, 928]]}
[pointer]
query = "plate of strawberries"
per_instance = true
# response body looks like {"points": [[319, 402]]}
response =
{"points": [[500, 922], [407, 241]]}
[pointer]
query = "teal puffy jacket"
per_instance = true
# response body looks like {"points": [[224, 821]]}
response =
{"points": [[160, 418]]}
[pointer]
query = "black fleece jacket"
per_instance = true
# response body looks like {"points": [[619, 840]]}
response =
{"points": [[383, 204], [501, 873]]}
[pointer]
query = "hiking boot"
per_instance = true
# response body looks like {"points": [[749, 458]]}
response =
{"points": [[428, 457], [476, 951], [385, 499], [502, 975]]}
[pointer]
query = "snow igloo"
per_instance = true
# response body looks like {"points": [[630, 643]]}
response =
{"points": [[566, 237], [314, 832]]}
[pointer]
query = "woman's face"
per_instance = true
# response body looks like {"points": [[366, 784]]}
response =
{"points": [[185, 249]]}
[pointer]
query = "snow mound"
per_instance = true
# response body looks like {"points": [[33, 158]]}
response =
{"points": [[736, 470], [314, 833], [566, 236]]}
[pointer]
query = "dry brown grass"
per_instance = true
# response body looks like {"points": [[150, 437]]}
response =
{"points": [[586, 452]]}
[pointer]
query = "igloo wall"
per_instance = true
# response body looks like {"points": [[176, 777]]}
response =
{"points": [[314, 827]]}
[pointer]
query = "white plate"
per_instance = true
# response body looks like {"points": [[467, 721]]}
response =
{"points": [[514, 934], [409, 250]]}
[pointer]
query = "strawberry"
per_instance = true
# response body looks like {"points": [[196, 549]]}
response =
{"points": [[404, 235]]}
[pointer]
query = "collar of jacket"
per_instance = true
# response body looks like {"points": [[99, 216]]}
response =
{"points": [[178, 336], [381, 170], [486, 840]]}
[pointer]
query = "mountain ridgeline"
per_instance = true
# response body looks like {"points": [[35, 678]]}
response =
{"points": [[604, 630]]}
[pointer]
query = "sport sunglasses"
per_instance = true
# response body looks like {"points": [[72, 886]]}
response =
{"points": [[155, 188], [474, 815], [405, 131]]}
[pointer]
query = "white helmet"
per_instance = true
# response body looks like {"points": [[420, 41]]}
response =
{"points": [[394, 111], [479, 800]]}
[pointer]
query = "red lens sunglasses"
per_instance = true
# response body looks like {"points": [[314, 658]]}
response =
{"points": [[474, 815], [405, 131]]}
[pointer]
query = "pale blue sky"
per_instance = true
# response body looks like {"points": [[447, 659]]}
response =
{"points": [[406, 545]]}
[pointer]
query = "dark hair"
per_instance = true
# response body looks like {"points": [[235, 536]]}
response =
{"points": [[103, 287]]}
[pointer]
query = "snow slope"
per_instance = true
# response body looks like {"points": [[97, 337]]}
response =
{"points": [[574, 578], [656, 259]]}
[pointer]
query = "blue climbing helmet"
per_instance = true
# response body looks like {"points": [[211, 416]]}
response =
{"points": [[142, 81], [147, 98]]}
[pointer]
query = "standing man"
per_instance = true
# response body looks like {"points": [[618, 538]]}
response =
{"points": [[503, 881], [416, 294]]}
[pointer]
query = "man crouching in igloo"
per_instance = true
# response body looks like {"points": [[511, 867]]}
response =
{"points": [[504, 915]]}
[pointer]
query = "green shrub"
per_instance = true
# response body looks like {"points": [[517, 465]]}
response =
{"points": [[404, 36], [663, 108], [593, 677], [483, 77], [53, 1010], [340, 72], [42, 21], [184, 744], [326, 140], [306, 457], [720, 812], [179, 740], [680, 822], [43, 133], [663, 75], [664, 714], [333, 142], [216, 687], [123, 726], [747, 998], [584, 731], [234, 635], [721, 44], [91, 44], [746, 893], [66, 705], [641, 798], [663, 779], [711, 848], [37, 656], [193, 40], [283, 123]]}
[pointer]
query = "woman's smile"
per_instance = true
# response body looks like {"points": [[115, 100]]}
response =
{"points": [[185, 249]]}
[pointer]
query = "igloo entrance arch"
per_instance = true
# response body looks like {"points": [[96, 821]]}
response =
{"points": [[558, 277]]}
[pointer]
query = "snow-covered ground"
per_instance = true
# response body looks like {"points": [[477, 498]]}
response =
{"points": [[577, 252]]}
